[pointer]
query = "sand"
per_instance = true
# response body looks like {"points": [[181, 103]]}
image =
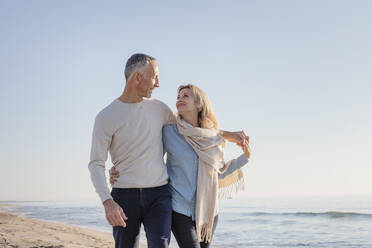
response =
{"points": [[19, 231]]}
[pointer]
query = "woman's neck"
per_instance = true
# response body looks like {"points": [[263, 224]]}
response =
{"points": [[191, 118]]}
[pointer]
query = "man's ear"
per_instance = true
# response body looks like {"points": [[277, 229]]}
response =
{"points": [[138, 77]]}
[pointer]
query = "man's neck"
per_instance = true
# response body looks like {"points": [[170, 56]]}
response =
{"points": [[130, 96]]}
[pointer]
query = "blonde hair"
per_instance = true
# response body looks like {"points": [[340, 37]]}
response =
{"points": [[206, 117]]}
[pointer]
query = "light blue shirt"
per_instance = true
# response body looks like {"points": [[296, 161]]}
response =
{"points": [[182, 165]]}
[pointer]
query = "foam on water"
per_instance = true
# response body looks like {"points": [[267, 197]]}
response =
{"points": [[332, 222]]}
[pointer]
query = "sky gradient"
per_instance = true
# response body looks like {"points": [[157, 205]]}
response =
{"points": [[295, 75]]}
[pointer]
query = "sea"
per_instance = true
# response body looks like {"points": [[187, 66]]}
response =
{"points": [[262, 222]]}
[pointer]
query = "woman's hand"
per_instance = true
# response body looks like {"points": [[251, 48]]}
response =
{"points": [[113, 175], [246, 148]]}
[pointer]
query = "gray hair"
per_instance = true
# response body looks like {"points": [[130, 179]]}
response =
{"points": [[136, 63]]}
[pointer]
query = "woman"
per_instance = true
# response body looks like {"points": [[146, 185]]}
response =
{"points": [[198, 174]]}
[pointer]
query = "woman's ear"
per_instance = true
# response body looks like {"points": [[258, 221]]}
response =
{"points": [[199, 108]]}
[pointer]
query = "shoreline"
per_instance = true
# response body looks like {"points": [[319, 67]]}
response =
{"points": [[19, 231]]}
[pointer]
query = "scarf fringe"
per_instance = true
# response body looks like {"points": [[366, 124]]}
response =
{"points": [[204, 233], [232, 189]]}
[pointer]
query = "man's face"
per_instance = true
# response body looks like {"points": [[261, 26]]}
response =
{"points": [[149, 79]]}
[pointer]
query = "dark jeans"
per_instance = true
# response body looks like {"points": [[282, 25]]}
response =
{"points": [[150, 206], [183, 229]]}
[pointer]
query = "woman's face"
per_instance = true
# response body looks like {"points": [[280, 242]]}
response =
{"points": [[185, 102]]}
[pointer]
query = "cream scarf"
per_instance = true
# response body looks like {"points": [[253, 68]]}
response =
{"points": [[207, 143]]}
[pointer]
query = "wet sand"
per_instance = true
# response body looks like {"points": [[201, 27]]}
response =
{"points": [[19, 231]]}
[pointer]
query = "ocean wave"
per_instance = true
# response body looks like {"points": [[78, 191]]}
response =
{"points": [[329, 214]]}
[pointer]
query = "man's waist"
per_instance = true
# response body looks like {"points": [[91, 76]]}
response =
{"points": [[137, 183], [166, 185]]}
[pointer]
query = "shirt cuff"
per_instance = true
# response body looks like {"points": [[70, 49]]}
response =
{"points": [[242, 160], [105, 197], [98, 177]]}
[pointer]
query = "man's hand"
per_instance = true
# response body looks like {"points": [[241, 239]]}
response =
{"points": [[235, 137], [113, 175], [114, 213], [246, 148]]}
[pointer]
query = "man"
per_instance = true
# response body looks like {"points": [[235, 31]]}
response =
{"points": [[130, 128]]}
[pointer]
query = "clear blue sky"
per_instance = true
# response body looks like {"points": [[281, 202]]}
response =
{"points": [[295, 75]]}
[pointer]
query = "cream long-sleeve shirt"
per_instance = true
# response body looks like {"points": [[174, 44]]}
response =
{"points": [[132, 133]]}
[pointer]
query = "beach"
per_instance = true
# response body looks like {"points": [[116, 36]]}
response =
{"points": [[269, 222], [19, 231]]}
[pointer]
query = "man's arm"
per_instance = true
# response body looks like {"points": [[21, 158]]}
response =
{"points": [[169, 116], [235, 137], [101, 141]]}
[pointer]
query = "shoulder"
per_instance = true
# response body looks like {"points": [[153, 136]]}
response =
{"points": [[170, 131], [170, 128], [154, 101], [157, 103], [107, 113]]}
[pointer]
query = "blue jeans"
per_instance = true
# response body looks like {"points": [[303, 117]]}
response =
{"points": [[150, 206]]}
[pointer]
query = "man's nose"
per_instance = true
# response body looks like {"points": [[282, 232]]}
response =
{"points": [[157, 84]]}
